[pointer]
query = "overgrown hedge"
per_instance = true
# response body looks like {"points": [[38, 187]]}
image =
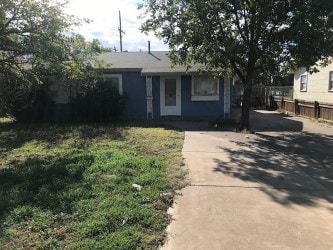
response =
{"points": [[25, 101], [97, 102]]}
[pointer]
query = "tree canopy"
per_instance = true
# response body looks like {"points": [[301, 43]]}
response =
{"points": [[31, 32], [243, 38], [36, 39]]}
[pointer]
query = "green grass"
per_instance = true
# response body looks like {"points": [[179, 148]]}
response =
{"points": [[70, 186]]}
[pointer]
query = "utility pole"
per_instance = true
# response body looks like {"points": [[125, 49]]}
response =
{"points": [[121, 32]]}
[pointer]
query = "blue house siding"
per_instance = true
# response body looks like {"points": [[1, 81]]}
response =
{"points": [[189, 108], [135, 67], [134, 92], [200, 108]]}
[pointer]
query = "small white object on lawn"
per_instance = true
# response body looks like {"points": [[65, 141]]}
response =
{"points": [[137, 187]]}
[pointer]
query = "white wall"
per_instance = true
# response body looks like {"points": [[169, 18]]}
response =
{"points": [[317, 88]]}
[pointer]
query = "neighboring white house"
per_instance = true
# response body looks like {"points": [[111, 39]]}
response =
{"points": [[316, 86]]}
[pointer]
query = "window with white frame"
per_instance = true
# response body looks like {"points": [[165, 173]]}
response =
{"points": [[304, 82], [115, 80], [330, 82], [205, 88]]}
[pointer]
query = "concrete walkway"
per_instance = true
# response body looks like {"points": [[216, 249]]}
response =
{"points": [[270, 190]]}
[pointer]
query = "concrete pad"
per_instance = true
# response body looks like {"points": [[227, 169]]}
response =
{"points": [[240, 218], [213, 165], [267, 191]]}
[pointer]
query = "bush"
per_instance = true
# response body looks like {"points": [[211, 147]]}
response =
{"points": [[25, 101], [98, 102], [41, 109]]}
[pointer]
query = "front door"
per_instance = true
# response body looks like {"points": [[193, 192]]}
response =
{"points": [[170, 96]]}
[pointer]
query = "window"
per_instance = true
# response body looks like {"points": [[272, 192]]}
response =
{"points": [[170, 92], [205, 88], [304, 82], [330, 82], [115, 80]]}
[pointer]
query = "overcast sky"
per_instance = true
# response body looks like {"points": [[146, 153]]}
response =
{"points": [[104, 14]]}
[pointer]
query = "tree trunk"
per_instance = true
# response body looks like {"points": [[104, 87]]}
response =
{"points": [[246, 104]]}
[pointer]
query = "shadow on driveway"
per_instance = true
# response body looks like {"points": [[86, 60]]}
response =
{"points": [[293, 168], [268, 190], [260, 120], [292, 164], [268, 121]]}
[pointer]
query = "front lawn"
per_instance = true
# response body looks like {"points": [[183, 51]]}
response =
{"points": [[71, 186]]}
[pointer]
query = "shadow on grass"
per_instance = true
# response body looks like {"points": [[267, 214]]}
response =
{"points": [[291, 168], [51, 185], [38, 179], [43, 182]]}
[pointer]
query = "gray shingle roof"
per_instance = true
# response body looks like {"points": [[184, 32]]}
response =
{"points": [[157, 62]]}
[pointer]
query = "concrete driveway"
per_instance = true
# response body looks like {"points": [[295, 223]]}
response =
{"points": [[269, 190]]}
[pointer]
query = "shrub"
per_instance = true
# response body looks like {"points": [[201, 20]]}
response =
{"points": [[24, 100], [97, 102]]}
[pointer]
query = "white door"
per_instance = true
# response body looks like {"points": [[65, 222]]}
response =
{"points": [[170, 93]]}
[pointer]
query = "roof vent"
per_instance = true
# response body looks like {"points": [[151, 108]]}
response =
{"points": [[149, 47]]}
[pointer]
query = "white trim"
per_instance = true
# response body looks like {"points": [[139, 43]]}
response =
{"points": [[149, 86], [120, 80], [197, 98], [149, 97], [205, 97], [306, 83], [174, 110]]}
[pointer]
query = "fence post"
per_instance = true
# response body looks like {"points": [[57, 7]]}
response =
{"points": [[296, 107], [282, 108], [272, 103], [316, 109]]}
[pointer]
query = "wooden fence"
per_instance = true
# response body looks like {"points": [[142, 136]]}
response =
{"points": [[314, 109], [261, 94]]}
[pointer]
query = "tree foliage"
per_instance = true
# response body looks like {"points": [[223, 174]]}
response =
{"points": [[36, 41], [31, 43], [243, 37], [79, 55], [32, 32]]}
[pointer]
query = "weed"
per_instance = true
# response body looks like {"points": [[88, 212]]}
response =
{"points": [[70, 186]]}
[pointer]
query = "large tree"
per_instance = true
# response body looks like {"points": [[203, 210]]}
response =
{"points": [[35, 41], [32, 31], [32, 42], [242, 37]]}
